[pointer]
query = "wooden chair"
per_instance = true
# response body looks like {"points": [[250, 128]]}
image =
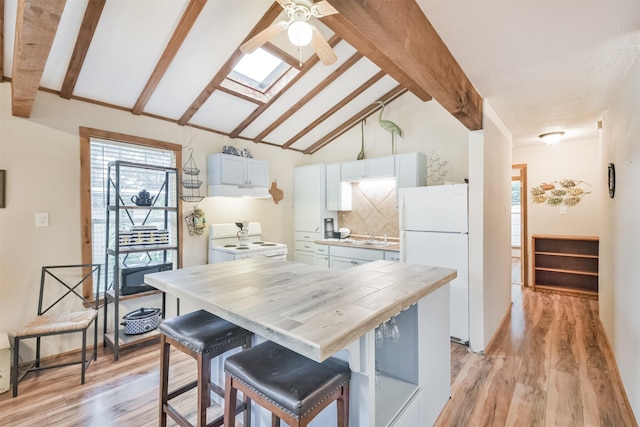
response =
{"points": [[54, 289]]}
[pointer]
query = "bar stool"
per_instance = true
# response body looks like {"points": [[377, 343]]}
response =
{"points": [[202, 336], [292, 387]]}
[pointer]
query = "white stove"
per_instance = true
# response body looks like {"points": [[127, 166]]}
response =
{"points": [[227, 243]]}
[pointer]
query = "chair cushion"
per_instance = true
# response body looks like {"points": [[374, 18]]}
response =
{"points": [[289, 380], [202, 331], [58, 322]]}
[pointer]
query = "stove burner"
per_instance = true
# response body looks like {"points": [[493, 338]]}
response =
{"points": [[257, 243], [243, 247], [267, 244], [230, 246]]}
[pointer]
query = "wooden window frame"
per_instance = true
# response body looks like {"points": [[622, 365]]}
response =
{"points": [[85, 185]]}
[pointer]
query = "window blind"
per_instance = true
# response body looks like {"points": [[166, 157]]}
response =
{"points": [[103, 152]]}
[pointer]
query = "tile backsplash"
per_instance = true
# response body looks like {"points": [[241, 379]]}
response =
{"points": [[373, 209]]}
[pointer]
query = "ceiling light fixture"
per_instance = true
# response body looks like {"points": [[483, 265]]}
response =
{"points": [[300, 33], [551, 137]]}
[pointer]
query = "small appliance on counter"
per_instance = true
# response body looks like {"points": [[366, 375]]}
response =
{"points": [[226, 243], [329, 230]]}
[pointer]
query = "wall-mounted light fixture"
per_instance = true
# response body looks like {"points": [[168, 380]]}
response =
{"points": [[551, 137]]}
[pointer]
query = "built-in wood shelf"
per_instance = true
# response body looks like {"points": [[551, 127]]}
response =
{"points": [[566, 264]]}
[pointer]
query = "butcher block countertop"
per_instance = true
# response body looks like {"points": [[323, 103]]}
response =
{"points": [[314, 311]]}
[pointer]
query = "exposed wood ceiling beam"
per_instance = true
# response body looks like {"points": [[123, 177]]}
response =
{"points": [[179, 35], [355, 119], [36, 25], [309, 96], [347, 99], [398, 37], [268, 18], [85, 35], [308, 65], [1, 40]]}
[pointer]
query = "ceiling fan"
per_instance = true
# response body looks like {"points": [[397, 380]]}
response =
{"points": [[299, 30]]}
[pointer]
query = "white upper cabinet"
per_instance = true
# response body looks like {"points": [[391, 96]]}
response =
{"points": [[376, 168], [381, 167], [411, 170], [258, 173], [309, 199], [338, 192], [227, 169]]}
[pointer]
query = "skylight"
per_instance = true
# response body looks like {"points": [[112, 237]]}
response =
{"points": [[258, 70]]}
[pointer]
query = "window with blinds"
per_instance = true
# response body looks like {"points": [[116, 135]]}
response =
{"points": [[103, 152]]}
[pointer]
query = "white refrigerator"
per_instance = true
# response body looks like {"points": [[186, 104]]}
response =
{"points": [[434, 230]]}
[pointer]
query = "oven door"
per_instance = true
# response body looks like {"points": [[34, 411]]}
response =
{"points": [[220, 256]]}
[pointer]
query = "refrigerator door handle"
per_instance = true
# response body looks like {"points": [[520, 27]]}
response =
{"points": [[402, 213], [403, 249]]}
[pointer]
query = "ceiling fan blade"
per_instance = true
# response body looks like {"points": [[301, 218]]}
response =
{"points": [[284, 3], [262, 37], [322, 8], [322, 48]]}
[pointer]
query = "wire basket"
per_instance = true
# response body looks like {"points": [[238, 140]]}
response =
{"points": [[192, 199], [190, 170], [191, 183]]}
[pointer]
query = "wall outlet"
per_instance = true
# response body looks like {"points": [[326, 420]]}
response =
{"points": [[42, 219], [563, 210]]}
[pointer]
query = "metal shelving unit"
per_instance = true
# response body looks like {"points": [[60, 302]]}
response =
{"points": [[123, 180]]}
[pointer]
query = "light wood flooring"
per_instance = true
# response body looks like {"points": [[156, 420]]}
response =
{"points": [[548, 365]]}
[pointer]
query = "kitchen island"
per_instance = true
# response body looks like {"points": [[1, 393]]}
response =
{"points": [[321, 313]]}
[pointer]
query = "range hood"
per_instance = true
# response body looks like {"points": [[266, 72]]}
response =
{"points": [[226, 190]]}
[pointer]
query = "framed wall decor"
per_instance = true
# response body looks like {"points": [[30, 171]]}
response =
{"points": [[3, 175]]}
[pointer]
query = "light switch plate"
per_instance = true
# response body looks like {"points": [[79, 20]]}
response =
{"points": [[42, 219], [563, 210]]}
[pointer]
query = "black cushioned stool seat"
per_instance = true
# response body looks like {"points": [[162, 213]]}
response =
{"points": [[293, 387], [202, 336]]}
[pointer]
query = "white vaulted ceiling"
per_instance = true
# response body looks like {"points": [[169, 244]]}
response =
{"points": [[543, 65]]}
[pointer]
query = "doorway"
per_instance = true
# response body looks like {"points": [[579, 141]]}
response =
{"points": [[519, 236]]}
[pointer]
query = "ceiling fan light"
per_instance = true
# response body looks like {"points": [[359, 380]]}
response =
{"points": [[551, 137], [300, 33]]}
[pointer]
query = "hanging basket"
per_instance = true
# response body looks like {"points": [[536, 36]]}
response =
{"points": [[191, 183], [190, 170], [192, 199]]}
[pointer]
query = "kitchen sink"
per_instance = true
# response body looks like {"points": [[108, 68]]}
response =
{"points": [[375, 243]]}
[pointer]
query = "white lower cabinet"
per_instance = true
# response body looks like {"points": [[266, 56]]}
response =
{"points": [[322, 255], [392, 256], [342, 257], [304, 248]]}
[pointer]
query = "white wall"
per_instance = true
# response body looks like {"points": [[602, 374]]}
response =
{"points": [[42, 158], [620, 234], [426, 127], [489, 228], [575, 160]]}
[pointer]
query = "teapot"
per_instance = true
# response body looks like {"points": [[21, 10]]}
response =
{"points": [[143, 198]]}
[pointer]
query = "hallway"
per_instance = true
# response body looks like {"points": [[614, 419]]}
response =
{"points": [[549, 364]]}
